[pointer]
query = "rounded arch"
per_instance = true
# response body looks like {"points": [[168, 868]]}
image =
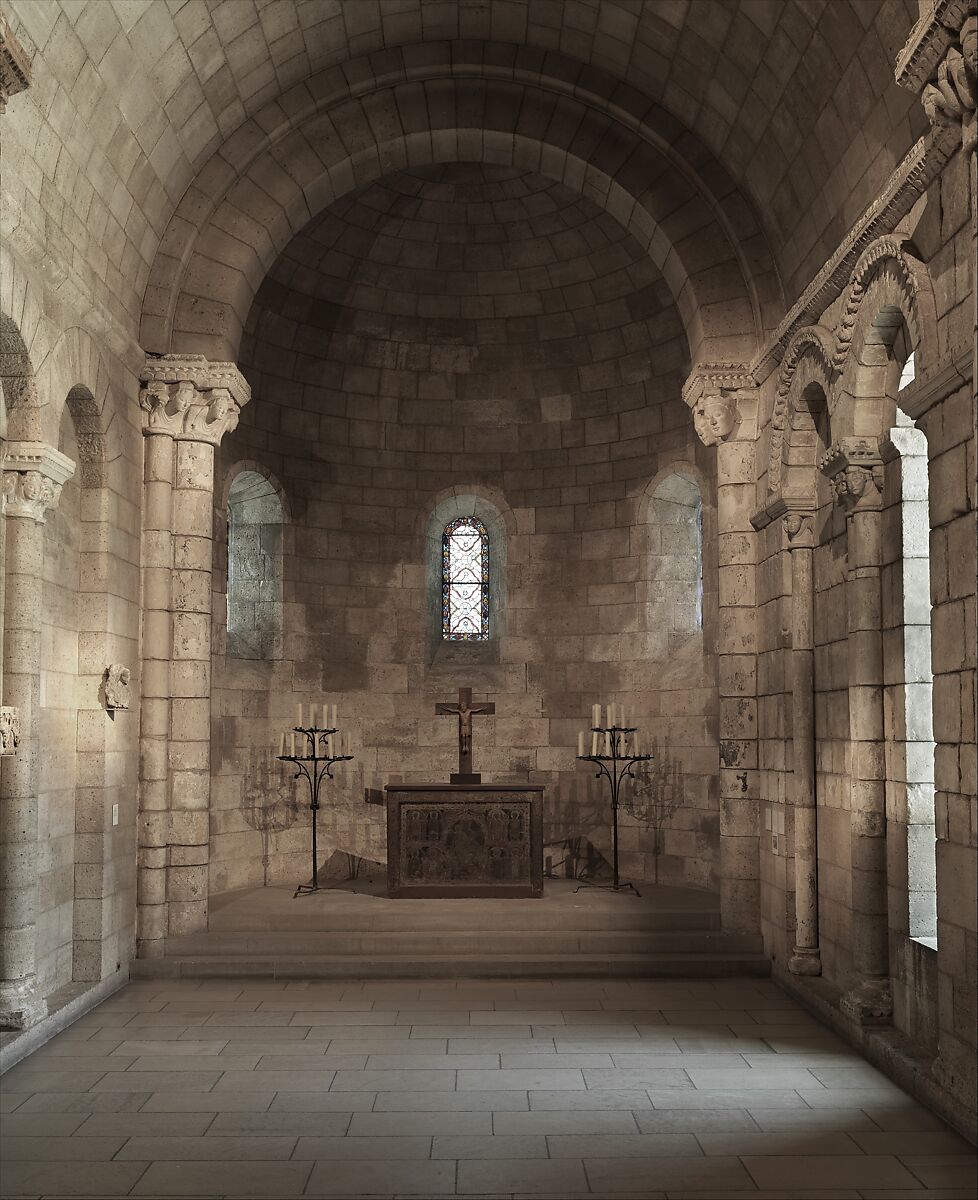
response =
{"points": [[806, 374], [264, 186], [251, 466], [489, 507], [17, 387]]}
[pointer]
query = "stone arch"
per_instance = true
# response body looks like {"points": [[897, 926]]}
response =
{"points": [[491, 508], [17, 385], [263, 188], [807, 365]]}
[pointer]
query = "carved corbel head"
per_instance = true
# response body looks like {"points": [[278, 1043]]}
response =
{"points": [[192, 399], [711, 394], [714, 417], [854, 467]]}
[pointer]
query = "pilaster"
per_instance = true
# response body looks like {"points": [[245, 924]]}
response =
{"points": [[33, 476]]}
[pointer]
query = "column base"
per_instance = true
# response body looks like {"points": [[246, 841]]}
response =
{"points": [[868, 1003], [20, 1005], [805, 960]]}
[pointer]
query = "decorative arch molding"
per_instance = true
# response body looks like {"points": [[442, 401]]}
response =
{"points": [[901, 280], [287, 165], [451, 502], [813, 347]]}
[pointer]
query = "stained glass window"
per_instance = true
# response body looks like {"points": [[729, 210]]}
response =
{"points": [[465, 581]]}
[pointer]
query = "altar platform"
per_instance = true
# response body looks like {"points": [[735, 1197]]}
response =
{"points": [[353, 930]]}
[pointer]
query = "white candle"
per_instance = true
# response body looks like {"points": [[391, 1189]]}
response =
{"points": [[298, 715], [332, 719], [594, 741], [636, 742], [623, 720], [311, 716], [282, 751], [595, 716], [607, 744], [292, 750], [611, 716], [580, 744]]}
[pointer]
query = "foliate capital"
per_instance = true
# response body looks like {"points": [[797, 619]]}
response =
{"points": [[710, 392], [15, 67], [796, 513], [939, 62], [33, 476], [854, 466], [186, 397]]}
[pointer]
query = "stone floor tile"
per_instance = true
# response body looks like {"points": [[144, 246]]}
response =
{"points": [[149, 1047], [161, 1081], [57, 1052], [855, 1075], [750, 1079], [599, 1078], [392, 1124], [612, 1046], [390, 1177], [374, 1149], [69, 1179], [822, 1097], [162, 1102], [695, 1120], [310, 1062], [60, 1149], [223, 1179], [942, 1170], [554, 1059], [268, 1124], [492, 1146], [11, 1100], [163, 1020], [586, 1033], [781, 1142], [435, 1062], [341, 1102], [556, 1121], [464, 1100], [400, 1045], [41, 1125], [630, 1145], [909, 1117], [258, 1033], [395, 1081], [529, 1176], [610, 1099], [503, 1044], [827, 1171], [689, 1173], [84, 1102], [662, 1057], [718, 1098], [157, 1124], [26, 1079], [207, 1062], [771, 1120], [518, 1017], [275, 1081], [923, 1143], [339, 1020], [204, 1149], [705, 1016], [523, 1079], [463, 1032]]}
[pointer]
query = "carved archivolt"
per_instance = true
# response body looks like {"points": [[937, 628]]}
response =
{"points": [[908, 284], [815, 342]]}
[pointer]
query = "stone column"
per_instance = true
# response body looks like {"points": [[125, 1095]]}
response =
{"points": [[33, 475], [855, 469], [723, 403], [798, 524], [188, 405]]}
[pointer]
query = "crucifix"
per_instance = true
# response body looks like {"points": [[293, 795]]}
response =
{"points": [[465, 710]]}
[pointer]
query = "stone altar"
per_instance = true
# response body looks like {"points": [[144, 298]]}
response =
{"points": [[477, 840]]}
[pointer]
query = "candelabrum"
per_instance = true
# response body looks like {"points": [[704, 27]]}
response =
{"points": [[616, 766], [316, 764]]}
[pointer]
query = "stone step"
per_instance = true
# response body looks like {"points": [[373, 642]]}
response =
{"points": [[405, 966], [439, 943]]}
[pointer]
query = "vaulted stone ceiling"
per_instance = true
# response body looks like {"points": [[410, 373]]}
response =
{"points": [[795, 101]]}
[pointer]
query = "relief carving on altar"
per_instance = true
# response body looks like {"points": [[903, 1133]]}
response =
{"points": [[464, 843]]}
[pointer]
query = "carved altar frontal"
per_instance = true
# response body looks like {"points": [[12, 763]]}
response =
{"points": [[449, 840]]}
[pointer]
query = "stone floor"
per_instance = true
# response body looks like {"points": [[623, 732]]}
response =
{"points": [[625, 1089]]}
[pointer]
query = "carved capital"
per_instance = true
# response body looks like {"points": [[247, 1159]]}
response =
{"points": [[33, 476], [710, 393], [854, 466], [15, 67], [186, 397], [939, 63], [9, 729], [796, 514]]}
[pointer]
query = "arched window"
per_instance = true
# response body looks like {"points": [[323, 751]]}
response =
{"points": [[255, 527], [676, 555], [465, 581]]}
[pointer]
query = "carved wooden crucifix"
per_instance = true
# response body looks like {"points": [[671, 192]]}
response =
{"points": [[465, 710]]}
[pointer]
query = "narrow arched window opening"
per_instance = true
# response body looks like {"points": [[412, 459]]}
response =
{"points": [[254, 603], [465, 581], [676, 555]]}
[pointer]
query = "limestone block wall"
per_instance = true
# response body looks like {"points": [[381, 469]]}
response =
{"points": [[527, 359]]}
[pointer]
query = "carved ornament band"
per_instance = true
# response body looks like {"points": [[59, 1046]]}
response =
{"points": [[33, 476], [710, 392], [854, 466], [191, 399]]}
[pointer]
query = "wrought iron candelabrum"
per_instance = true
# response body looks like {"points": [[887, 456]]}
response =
{"points": [[315, 765], [615, 767]]}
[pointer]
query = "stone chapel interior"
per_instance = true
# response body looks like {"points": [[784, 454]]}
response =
{"points": [[674, 302]]}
